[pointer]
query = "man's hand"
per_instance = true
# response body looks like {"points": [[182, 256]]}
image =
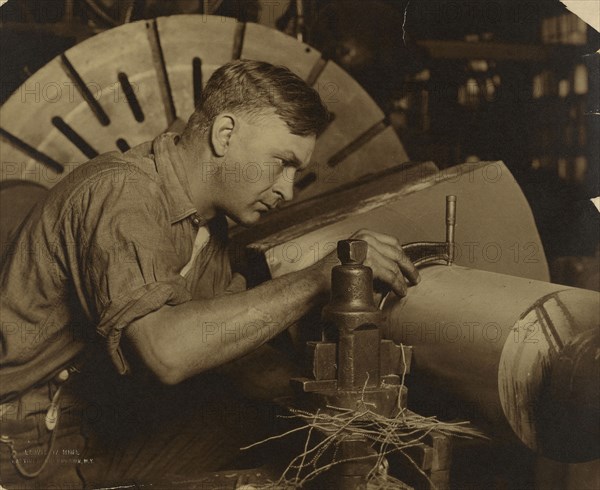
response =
{"points": [[388, 261], [385, 257]]}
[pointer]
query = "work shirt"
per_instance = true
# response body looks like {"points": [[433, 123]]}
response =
{"points": [[106, 247]]}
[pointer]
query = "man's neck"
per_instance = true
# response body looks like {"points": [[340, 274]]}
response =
{"points": [[200, 167]]}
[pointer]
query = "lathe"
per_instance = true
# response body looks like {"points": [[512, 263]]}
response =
{"points": [[356, 369], [485, 325]]}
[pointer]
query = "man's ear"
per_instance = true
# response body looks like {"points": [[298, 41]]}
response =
{"points": [[220, 133]]}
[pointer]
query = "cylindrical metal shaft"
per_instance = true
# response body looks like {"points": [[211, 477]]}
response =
{"points": [[524, 352], [450, 224]]}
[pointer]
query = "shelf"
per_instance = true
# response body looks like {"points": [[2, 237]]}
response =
{"points": [[499, 51]]}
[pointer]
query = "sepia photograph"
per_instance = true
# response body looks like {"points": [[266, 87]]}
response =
{"points": [[316, 244]]}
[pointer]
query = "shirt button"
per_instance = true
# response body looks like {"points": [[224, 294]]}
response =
{"points": [[62, 376]]}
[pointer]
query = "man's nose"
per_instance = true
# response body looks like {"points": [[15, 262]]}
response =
{"points": [[284, 185]]}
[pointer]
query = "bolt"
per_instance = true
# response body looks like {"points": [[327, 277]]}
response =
{"points": [[352, 252]]}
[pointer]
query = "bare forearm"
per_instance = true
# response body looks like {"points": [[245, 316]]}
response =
{"points": [[181, 341]]}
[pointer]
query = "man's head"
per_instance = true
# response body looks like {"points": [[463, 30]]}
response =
{"points": [[250, 88], [255, 127]]}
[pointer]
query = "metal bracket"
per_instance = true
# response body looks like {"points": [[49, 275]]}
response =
{"points": [[422, 253]]}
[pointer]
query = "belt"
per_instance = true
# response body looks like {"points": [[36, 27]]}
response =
{"points": [[12, 411], [57, 377]]}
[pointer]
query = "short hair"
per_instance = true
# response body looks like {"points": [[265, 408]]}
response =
{"points": [[252, 88]]}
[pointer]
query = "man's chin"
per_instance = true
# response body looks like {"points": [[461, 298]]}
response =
{"points": [[247, 220]]}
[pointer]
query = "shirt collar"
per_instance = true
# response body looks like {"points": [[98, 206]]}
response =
{"points": [[171, 169]]}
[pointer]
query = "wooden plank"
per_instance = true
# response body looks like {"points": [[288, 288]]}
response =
{"points": [[312, 214], [417, 213]]}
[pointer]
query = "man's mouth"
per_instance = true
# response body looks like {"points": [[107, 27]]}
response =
{"points": [[267, 207]]}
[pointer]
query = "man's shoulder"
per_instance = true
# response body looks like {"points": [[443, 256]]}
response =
{"points": [[113, 164], [112, 171], [130, 176]]}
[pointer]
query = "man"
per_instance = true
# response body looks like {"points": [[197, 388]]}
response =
{"points": [[126, 260]]}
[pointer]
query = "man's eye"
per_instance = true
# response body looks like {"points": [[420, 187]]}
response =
{"points": [[290, 163]]}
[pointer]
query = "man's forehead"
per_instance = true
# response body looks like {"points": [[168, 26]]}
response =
{"points": [[270, 129]]}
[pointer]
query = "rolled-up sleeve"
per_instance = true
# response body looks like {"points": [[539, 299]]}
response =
{"points": [[127, 259]]}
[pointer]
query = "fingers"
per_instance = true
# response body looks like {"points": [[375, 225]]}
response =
{"points": [[387, 270], [395, 253], [382, 237], [409, 269], [388, 260]]}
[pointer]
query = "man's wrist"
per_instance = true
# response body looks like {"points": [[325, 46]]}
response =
{"points": [[321, 275]]}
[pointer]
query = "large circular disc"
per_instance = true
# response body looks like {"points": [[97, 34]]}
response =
{"points": [[126, 85]]}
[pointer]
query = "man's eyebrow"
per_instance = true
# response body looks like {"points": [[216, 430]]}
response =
{"points": [[290, 157]]}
